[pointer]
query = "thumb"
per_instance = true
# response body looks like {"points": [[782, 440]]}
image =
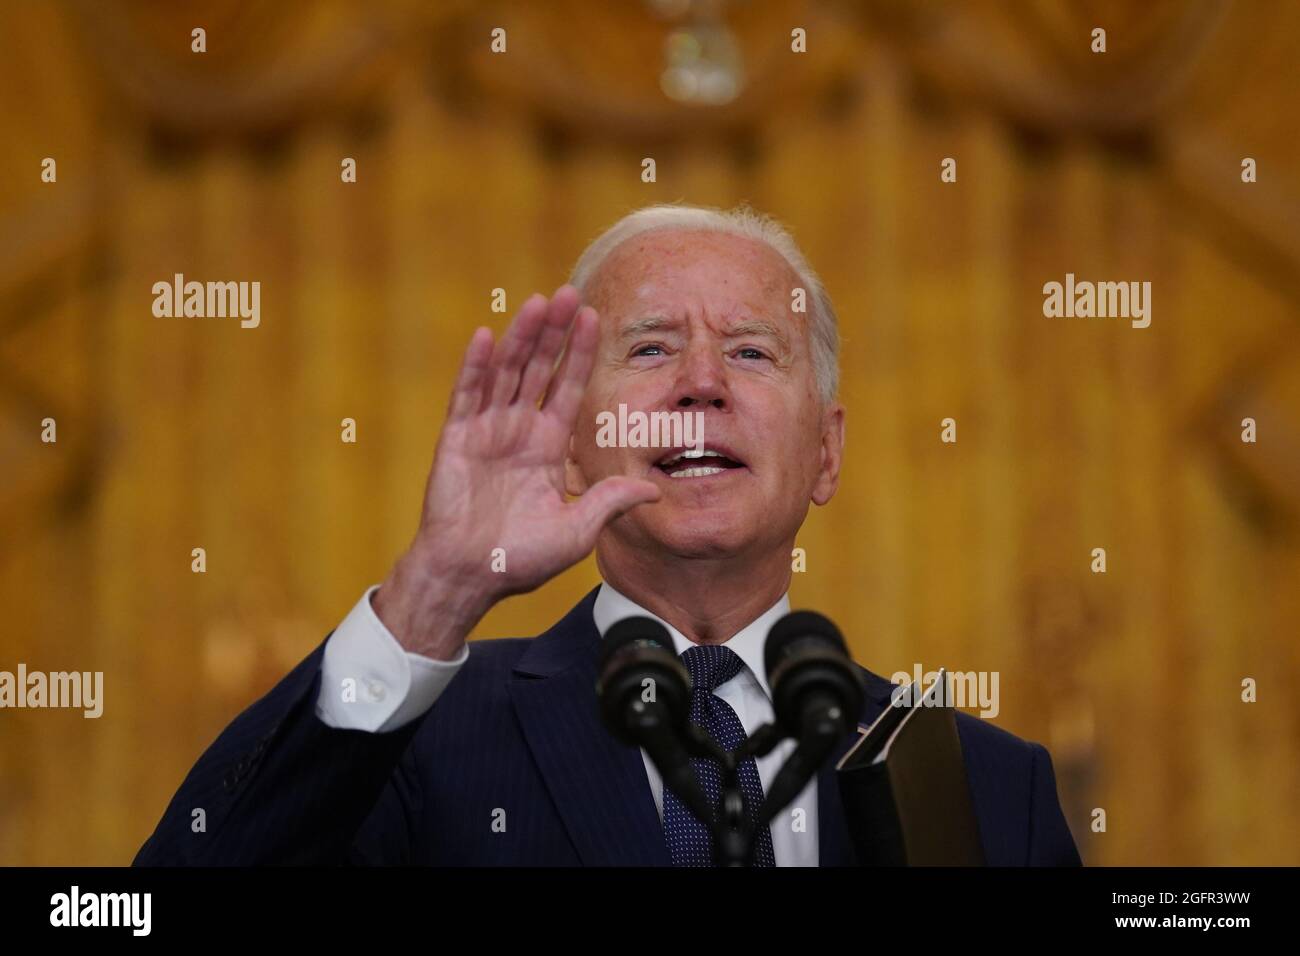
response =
{"points": [[610, 497]]}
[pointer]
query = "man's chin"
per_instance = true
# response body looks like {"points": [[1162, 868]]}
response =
{"points": [[702, 533]]}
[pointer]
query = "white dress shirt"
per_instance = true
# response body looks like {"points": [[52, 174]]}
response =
{"points": [[369, 682]]}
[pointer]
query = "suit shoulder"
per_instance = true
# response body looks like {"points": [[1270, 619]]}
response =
{"points": [[992, 741], [1013, 786], [994, 754]]}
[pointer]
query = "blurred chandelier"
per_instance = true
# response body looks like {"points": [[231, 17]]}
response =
{"points": [[702, 62]]}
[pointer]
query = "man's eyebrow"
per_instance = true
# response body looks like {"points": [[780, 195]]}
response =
{"points": [[651, 323], [755, 327], [655, 323]]}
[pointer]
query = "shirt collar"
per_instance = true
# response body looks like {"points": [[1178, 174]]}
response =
{"points": [[612, 606]]}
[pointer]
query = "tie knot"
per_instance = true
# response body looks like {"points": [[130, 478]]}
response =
{"points": [[711, 665]]}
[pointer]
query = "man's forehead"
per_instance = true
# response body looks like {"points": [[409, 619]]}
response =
{"points": [[665, 271], [638, 265]]}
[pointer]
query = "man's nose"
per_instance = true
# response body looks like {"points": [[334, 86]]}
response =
{"points": [[702, 378]]}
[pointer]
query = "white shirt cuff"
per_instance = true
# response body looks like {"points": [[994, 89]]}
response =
{"points": [[370, 682]]}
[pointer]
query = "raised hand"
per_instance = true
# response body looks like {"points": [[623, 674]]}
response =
{"points": [[497, 480]]}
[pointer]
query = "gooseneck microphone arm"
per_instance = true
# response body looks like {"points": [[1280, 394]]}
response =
{"points": [[672, 759], [733, 836], [822, 731]]}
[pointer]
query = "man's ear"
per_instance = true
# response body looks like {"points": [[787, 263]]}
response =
{"points": [[828, 479], [574, 482]]}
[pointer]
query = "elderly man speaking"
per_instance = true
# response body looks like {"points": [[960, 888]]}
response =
{"points": [[396, 742]]}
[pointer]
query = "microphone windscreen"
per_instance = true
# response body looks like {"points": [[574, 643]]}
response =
{"points": [[637, 652], [816, 687], [631, 631], [796, 626]]}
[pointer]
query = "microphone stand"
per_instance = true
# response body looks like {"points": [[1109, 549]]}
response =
{"points": [[733, 837]]}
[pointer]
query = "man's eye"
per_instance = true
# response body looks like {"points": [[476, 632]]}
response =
{"points": [[751, 353], [647, 350]]}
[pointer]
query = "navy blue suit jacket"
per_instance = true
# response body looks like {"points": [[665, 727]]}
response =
{"points": [[517, 730]]}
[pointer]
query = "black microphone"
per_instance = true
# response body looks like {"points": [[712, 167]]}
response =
{"points": [[644, 691], [816, 696]]}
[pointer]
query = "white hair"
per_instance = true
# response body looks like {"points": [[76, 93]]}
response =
{"points": [[740, 221]]}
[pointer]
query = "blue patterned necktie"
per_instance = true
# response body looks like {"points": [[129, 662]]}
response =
{"points": [[690, 842]]}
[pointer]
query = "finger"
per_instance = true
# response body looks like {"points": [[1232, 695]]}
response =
{"points": [[607, 499], [570, 379], [541, 364], [467, 394], [514, 349]]}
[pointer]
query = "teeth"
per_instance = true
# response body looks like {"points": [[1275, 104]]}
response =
{"points": [[692, 453], [696, 472]]}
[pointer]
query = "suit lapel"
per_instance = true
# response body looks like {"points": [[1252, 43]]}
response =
{"points": [[598, 785]]}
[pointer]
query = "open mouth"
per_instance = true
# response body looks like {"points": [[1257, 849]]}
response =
{"points": [[692, 463]]}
